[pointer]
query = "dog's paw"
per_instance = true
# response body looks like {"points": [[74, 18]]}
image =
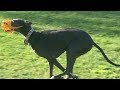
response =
{"points": [[71, 76], [53, 77]]}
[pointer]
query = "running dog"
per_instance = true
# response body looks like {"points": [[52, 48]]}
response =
{"points": [[51, 44]]}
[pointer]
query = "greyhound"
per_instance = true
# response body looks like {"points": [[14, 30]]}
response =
{"points": [[50, 44]]}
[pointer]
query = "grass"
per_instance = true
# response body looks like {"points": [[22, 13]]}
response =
{"points": [[18, 61]]}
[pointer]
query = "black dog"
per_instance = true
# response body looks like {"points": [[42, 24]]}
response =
{"points": [[51, 44]]}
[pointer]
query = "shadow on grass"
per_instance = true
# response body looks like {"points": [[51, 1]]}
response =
{"points": [[58, 19]]}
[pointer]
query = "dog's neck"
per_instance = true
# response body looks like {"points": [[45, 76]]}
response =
{"points": [[28, 36]]}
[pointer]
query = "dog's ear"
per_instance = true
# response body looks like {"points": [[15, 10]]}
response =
{"points": [[27, 22]]}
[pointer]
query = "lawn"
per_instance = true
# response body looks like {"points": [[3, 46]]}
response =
{"points": [[18, 61]]}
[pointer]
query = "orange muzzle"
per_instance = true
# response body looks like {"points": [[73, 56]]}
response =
{"points": [[6, 26]]}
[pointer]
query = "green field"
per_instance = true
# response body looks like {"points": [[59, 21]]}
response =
{"points": [[18, 61]]}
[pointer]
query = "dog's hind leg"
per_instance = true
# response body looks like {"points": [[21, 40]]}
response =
{"points": [[70, 64], [51, 69], [74, 50]]}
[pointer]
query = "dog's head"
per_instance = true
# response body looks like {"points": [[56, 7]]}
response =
{"points": [[15, 25], [20, 23]]}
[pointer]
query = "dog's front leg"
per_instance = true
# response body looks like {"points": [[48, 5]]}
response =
{"points": [[50, 69]]}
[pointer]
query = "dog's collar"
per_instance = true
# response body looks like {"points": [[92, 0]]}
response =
{"points": [[28, 36]]}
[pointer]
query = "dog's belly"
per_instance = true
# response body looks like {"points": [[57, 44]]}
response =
{"points": [[48, 52], [56, 52]]}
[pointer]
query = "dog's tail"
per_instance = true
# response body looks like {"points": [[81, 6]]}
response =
{"points": [[104, 54]]}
